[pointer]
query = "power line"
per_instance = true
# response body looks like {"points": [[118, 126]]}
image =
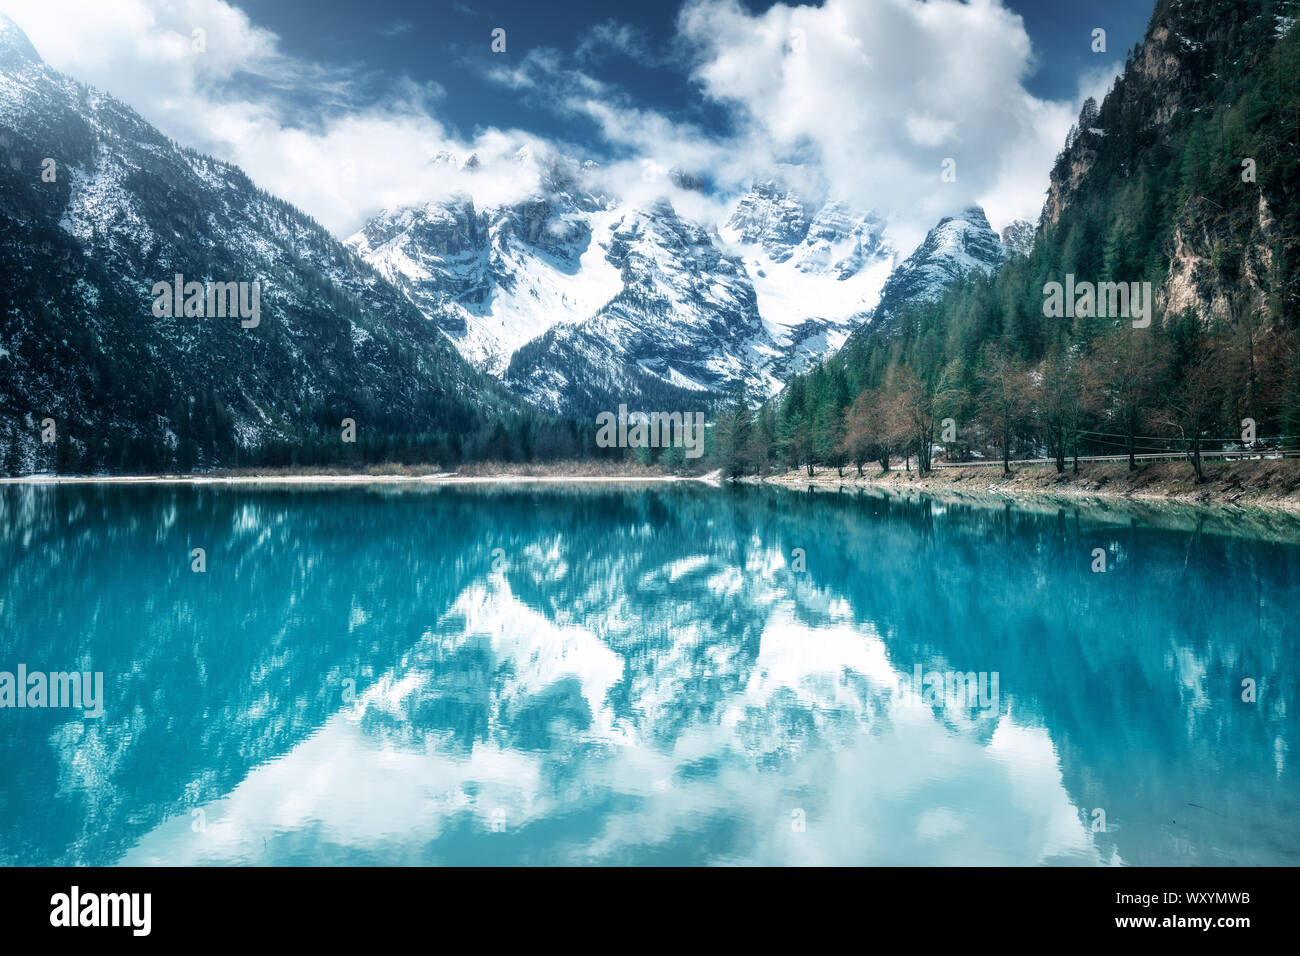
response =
{"points": [[1234, 438]]}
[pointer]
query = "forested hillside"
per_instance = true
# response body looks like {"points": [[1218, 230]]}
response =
{"points": [[1185, 177], [96, 206]]}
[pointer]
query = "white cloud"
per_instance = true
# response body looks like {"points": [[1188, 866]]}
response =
{"points": [[336, 160], [881, 92], [873, 95], [927, 131], [646, 145]]}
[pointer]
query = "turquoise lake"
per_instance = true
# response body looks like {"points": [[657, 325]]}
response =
{"points": [[668, 674]]}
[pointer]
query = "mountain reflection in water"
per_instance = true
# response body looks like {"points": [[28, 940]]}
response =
{"points": [[479, 675]]}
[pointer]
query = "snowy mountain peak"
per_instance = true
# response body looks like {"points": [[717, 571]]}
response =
{"points": [[961, 243], [574, 299], [15, 49], [817, 267], [957, 246], [829, 238], [841, 243], [772, 217], [681, 330], [493, 278]]}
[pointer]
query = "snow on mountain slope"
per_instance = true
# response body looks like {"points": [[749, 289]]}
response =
{"points": [[817, 272], [577, 301], [129, 388], [682, 333], [957, 246], [493, 279]]}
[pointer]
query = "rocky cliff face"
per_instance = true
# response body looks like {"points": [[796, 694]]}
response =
{"points": [[681, 332], [495, 278], [1188, 47], [1166, 153], [773, 218], [1200, 279]]}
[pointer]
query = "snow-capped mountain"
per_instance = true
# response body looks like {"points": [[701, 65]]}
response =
{"points": [[816, 240], [817, 268], [958, 246], [682, 330], [579, 302], [495, 278], [572, 299], [96, 208]]}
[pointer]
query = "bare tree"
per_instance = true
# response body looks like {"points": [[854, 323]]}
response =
{"points": [[1058, 405], [1197, 400], [1005, 400], [917, 409], [1126, 368], [859, 426]]}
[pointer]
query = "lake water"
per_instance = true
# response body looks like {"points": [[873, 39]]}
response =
{"points": [[644, 675]]}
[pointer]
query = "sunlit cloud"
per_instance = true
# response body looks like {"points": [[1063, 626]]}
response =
{"points": [[869, 97]]}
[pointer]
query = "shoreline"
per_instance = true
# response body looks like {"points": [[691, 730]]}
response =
{"points": [[1269, 484], [1266, 485], [438, 478]]}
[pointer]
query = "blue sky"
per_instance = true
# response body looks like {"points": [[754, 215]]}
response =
{"points": [[340, 106], [630, 45]]}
